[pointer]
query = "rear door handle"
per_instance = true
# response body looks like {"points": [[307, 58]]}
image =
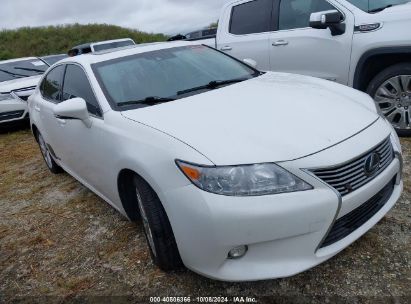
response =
{"points": [[226, 48], [37, 108], [280, 43]]}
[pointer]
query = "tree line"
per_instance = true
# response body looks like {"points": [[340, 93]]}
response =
{"points": [[39, 41]]}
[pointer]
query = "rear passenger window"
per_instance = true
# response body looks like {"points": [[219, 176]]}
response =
{"points": [[51, 85], [296, 13], [76, 84], [251, 17]]}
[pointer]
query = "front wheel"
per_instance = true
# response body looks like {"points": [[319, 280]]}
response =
{"points": [[51, 164], [157, 228], [391, 90]]}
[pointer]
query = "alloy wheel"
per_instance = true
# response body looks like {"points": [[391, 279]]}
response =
{"points": [[45, 152], [146, 224], [394, 99]]}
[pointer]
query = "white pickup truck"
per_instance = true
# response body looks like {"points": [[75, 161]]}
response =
{"points": [[360, 43]]}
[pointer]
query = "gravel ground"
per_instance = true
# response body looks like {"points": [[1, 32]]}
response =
{"points": [[57, 239]]}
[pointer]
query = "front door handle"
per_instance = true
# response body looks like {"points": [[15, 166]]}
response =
{"points": [[280, 43], [226, 48], [37, 108], [61, 121]]}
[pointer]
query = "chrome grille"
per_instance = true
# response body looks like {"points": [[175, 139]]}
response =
{"points": [[11, 115], [351, 176]]}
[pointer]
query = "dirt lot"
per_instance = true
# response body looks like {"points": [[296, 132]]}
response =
{"points": [[58, 239]]}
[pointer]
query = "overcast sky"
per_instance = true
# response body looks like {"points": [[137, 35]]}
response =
{"points": [[159, 16]]}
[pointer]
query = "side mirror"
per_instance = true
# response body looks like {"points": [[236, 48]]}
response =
{"points": [[328, 19], [75, 108], [251, 62]]}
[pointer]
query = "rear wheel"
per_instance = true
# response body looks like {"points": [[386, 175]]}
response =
{"points": [[51, 164], [157, 228], [391, 90]]}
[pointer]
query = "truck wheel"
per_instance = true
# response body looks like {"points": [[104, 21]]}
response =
{"points": [[51, 164], [157, 228], [391, 90]]}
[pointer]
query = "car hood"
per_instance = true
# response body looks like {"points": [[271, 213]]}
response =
{"points": [[271, 118], [20, 83]]}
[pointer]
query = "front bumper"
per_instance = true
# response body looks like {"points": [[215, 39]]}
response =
{"points": [[283, 232], [13, 110]]}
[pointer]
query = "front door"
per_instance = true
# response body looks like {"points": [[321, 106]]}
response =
{"points": [[83, 149], [297, 48]]}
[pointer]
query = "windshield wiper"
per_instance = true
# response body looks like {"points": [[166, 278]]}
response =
{"points": [[379, 9], [30, 70], [151, 100], [13, 74], [211, 85]]}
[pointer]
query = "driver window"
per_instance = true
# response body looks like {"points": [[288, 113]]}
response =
{"points": [[76, 84], [296, 13], [50, 88]]}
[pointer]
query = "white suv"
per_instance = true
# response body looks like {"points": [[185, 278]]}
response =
{"points": [[18, 80], [100, 46], [200, 145], [360, 43]]}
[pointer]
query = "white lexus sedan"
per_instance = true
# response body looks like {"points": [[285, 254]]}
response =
{"points": [[237, 174]]}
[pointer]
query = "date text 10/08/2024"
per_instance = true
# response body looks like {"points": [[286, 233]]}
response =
{"points": [[203, 300]]}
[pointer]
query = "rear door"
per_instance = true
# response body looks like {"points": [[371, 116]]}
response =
{"points": [[298, 48], [244, 31]]}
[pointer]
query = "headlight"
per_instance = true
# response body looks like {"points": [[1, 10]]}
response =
{"points": [[5, 97], [394, 137], [396, 141], [248, 180]]}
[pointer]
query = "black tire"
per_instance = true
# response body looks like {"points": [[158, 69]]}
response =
{"points": [[163, 247], [48, 158], [381, 78]]}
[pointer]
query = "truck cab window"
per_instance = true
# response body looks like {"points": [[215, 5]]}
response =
{"points": [[296, 13], [251, 17]]}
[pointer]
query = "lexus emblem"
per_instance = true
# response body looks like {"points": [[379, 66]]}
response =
{"points": [[372, 164]]}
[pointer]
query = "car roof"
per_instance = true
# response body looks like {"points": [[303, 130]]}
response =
{"points": [[82, 46], [19, 59], [89, 44], [91, 58], [52, 56], [111, 41]]}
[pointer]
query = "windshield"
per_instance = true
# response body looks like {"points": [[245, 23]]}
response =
{"points": [[169, 73], [375, 5], [112, 45], [21, 69]]}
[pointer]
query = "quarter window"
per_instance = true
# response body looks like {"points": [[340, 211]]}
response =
{"points": [[252, 17], [50, 88], [76, 84], [296, 13]]}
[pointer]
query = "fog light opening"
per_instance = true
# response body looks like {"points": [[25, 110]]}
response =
{"points": [[237, 252]]}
